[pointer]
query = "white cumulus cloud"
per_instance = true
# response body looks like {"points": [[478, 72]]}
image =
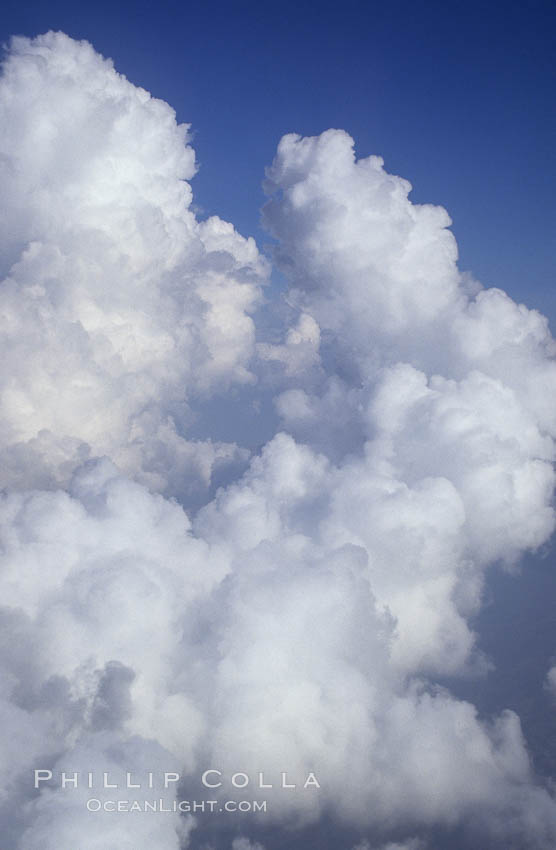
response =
{"points": [[302, 621], [118, 306]]}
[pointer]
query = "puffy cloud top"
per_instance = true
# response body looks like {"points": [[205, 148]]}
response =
{"points": [[118, 306]]}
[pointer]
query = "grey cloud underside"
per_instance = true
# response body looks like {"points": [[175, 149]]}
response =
{"points": [[305, 616]]}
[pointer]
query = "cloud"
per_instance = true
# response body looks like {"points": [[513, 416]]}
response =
{"points": [[245, 844], [410, 844], [358, 251], [551, 681], [301, 622], [119, 307]]}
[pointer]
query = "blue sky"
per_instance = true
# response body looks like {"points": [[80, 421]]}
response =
{"points": [[457, 97]]}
